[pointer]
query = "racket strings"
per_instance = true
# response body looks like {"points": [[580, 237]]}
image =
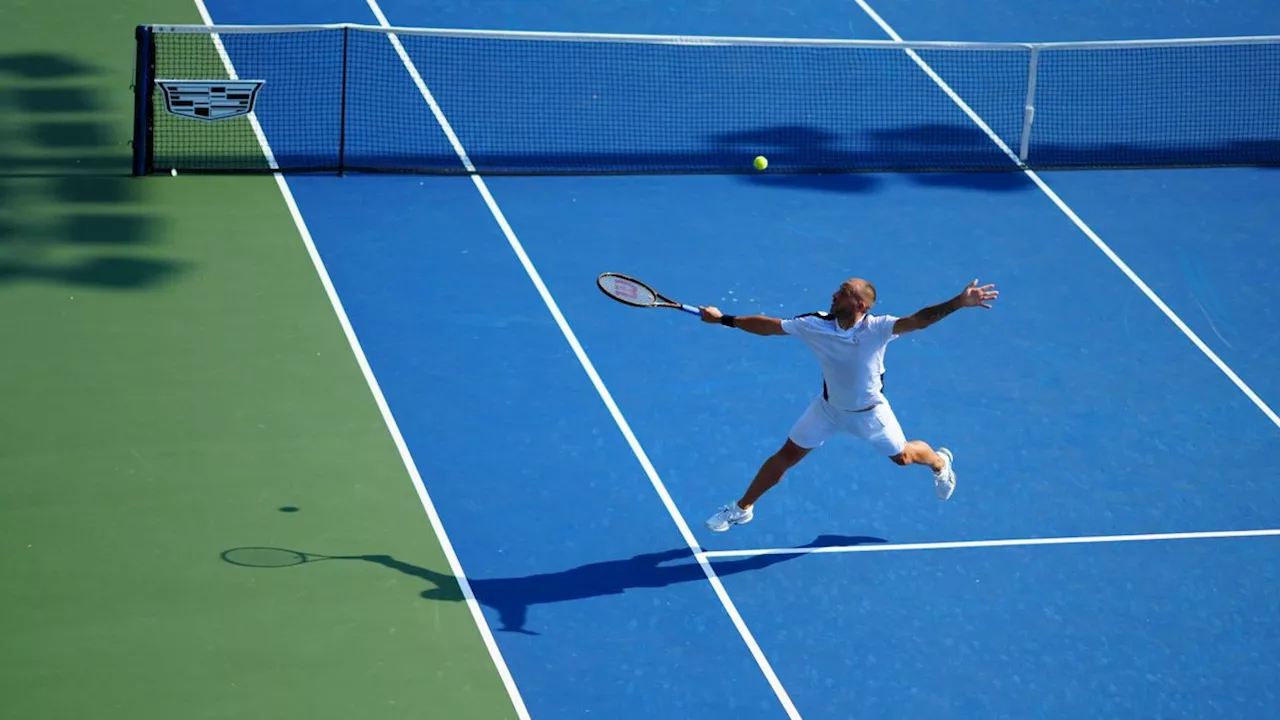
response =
{"points": [[627, 291]]}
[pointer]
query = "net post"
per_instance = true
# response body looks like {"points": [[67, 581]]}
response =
{"points": [[342, 109], [1029, 108], [142, 82]]}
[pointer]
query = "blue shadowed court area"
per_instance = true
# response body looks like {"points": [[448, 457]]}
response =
{"points": [[574, 446]]}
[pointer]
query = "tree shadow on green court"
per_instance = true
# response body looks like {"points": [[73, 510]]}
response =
{"points": [[70, 210], [513, 597]]}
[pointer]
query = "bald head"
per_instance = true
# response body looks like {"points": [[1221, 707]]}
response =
{"points": [[864, 290]]}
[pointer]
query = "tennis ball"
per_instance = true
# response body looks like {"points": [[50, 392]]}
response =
{"points": [[761, 162]]}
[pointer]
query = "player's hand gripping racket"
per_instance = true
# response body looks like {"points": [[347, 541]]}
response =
{"points": [[633, 292]]}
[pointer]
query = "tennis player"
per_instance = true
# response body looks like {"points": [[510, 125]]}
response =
{"points": [[849, 342]]}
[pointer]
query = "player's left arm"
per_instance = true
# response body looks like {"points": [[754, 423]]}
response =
{"points": [[971, 296]]}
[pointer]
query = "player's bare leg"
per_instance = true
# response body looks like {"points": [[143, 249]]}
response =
{"points": [[769, 474], [918, 452]]}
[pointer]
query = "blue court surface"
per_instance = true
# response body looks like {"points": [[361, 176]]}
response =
{"points": [[1124, 384]]}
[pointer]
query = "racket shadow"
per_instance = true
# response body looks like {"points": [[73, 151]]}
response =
{"points": [[512, 598]]}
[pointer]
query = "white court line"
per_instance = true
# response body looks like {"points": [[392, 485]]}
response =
{"points": [[1019, 542], [454, 565], [1266, 410], [587, 365]]}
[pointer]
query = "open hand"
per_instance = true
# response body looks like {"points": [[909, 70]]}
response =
{"points": [[974, 296]]}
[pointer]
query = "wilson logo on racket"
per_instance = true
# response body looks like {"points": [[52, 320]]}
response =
{"points": [[630, 291]]}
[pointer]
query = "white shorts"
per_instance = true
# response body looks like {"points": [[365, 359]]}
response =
{"points": [[878, 426]]}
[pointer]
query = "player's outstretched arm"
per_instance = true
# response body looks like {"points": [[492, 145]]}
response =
{"points": [[971, 296], [754, 324]]}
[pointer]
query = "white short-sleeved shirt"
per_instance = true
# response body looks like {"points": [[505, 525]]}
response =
{"points": [[852, 360]]}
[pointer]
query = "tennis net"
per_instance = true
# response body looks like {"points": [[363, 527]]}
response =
{"points": [[369, 99]]}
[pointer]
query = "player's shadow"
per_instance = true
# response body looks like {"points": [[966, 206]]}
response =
{"points": [[513, 597], [70, 212]]}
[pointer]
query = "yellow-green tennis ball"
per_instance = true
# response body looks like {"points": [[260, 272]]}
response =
{"points": [[761, 163]]}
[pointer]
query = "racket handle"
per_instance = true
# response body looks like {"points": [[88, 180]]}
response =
{"points": [[691, 309]]}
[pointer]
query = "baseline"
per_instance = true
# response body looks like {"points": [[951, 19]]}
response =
{"points": [[1011, 542]]}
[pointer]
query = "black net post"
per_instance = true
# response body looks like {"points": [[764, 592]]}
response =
{"points": [[144, 67]]}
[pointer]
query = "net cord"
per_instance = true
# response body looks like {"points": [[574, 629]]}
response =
{"points": [[715, 39]]}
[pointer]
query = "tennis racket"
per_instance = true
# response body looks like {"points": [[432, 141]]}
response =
{"points": [[633, 292]]}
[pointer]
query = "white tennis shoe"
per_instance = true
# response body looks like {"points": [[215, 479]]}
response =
{"points": [[729, 515], [944, 481]]}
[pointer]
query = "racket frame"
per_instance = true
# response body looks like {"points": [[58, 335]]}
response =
{"points": [[660, 300]]}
